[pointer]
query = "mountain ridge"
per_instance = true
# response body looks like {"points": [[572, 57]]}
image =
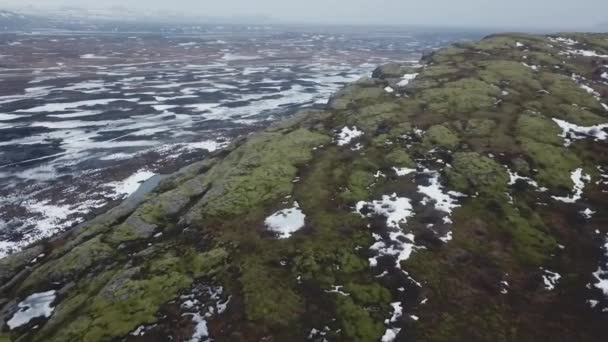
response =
{"points": [[461, 199]]}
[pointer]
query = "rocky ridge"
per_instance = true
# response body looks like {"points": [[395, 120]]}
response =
{"points": [[462, 199]]}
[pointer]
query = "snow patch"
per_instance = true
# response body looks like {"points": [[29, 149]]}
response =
{"points": [[406, 79], [129, 185], [573, 132], [550, 279], [402, 171], [395, 209], [34, 306], [286, 222], [443, 201], [579, 179], [346, 135], [601, 275]]}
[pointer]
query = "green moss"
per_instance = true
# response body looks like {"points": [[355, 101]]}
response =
{"points": [[369, 118], [440, 135], [259, 171], [269, 297], [579, 116], [354, 95], [539, 128], [565, 89], [357, 189], [72, 264], [356, 322], [554, 163], [532, 242], [369, 294], [479, 127], [516, 74], [462, 96], [399, 158], [132, 296], [473, 172]]}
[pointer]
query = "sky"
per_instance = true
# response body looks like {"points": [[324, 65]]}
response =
{"points": [[511, 14]]}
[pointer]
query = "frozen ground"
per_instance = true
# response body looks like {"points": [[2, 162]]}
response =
{"points": [[85, 118]]}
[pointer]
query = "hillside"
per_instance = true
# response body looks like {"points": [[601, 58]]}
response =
{"points": [[464, 200]]}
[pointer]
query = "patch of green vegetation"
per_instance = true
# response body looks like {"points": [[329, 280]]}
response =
{"points": [[458, 97], [579, 116], [369, 294], [72, 264], [516, 75], [449, 55], [357, 94], [532, 242], [357, 322], [565, 89], [440, 136], [268, 294], [473, 173], [441, 71], [554, 163], [133, 296], [479, 127], [399, 158], [259, 171], [357, 189], [536, 127], [379, 116]]}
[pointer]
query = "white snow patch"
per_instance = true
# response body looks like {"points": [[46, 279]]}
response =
{"points": [[573, 132], [286, 221], [6, 117], [200, 329], [514, 177], [397, 312], [209, 145], [579, 179], [129, 185], [601, 275], [550, 279], [518, 44], [406, 79], [338, 289], [389, 90], [587, 53], [533, 67], [395, 209], [390, 335], [566, 41], [36, 305], [346, 135], [434, 192], [587, 213], [402, 171], [237, 57], [60, 107], [92, 56]]}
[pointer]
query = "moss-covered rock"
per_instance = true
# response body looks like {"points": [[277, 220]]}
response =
{"points": [[473, 173], [441, 136]]}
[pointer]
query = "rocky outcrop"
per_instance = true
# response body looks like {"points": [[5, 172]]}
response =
{"points": [[462, 199]]}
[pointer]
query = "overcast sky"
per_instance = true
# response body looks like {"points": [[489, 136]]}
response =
{"points": [[553, 14]]}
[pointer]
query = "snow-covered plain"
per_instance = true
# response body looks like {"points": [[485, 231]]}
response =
{"points": [[83, 130]]}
